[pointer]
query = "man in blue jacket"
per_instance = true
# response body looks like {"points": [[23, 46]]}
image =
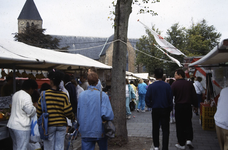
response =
{"points": [[90, 113], [159, 97]]}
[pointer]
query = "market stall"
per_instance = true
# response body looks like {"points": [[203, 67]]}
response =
{"points": [[213, 68], [19, 56]]}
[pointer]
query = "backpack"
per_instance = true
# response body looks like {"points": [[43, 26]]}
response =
{"points": [[43, 119]]}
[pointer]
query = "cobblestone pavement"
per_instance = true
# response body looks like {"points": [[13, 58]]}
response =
{"points": [[140, 125]]}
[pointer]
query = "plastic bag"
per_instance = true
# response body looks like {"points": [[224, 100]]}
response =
{"points": [[34, 134]]}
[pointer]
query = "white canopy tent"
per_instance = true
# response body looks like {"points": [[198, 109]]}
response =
{"points": [[142, 75], [17, 55], [216, 57], [132, 76]]}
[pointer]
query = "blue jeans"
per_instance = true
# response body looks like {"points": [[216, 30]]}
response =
{"points": [[89, 143], [128, 111], [20, 138], [142, 101], [56, 138]]}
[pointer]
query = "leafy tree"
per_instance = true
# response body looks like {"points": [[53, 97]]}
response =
{"points": [[35, 37], [176, 37], [201, 38], [197, 40], [122, 12]]}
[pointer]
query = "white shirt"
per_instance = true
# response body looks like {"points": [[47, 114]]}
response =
{"points": [[79, 89], [21, 111], [220, 116], [62, 87], [198, 87]]}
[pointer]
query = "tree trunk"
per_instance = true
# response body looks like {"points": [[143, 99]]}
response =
{"points": [[118, 97]]}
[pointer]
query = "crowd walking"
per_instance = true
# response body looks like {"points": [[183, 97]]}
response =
{"points": [[67, 102]]}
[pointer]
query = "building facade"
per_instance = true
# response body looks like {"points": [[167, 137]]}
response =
{"points": [[97, 48]]}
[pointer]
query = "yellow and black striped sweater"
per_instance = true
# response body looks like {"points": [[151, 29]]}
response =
{"points": [[58, 107]]}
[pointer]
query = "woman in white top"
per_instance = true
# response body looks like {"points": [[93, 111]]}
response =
{"points": [[21, 113], [199, 89]]}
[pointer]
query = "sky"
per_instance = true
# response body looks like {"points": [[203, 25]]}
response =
{"points": [[90, 18]]}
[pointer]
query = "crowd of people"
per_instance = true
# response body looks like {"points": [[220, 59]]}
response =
{"points": [[66, 102], [171, 101]]}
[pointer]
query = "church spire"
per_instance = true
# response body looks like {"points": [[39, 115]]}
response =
{"points": [[29, 11], [29, 16]]}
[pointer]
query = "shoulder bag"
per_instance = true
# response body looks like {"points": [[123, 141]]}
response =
{"points": [[109, 128], [43, 119]]}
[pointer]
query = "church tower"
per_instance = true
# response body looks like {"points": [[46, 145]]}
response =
{"points": [[29, 16]]}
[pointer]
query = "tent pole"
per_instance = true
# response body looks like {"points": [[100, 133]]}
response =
{"points": [[14, 79]]}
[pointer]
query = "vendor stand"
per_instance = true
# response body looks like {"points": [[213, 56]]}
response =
{"points": [[34, 61], [213, 68]]}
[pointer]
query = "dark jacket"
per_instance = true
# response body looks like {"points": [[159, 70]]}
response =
{"points": [[184, 92], [159, 95], [73, 96]]}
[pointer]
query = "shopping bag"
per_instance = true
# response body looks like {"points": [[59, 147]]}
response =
{"points": [[34, 134]]}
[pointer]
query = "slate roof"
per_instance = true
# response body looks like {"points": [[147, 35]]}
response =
{"points": [[92, 47], [29, 11], [80, 45]]}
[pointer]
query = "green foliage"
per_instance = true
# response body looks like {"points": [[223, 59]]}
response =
{"points": [[201, 38], [144, 6], [197, 40], [35, 37], [176, 37]]}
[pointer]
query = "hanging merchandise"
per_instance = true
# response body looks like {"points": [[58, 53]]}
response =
{"points": [[210, 91]]}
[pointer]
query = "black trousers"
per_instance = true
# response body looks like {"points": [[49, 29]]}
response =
{"points": [[183, 116], [161, 116]]}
